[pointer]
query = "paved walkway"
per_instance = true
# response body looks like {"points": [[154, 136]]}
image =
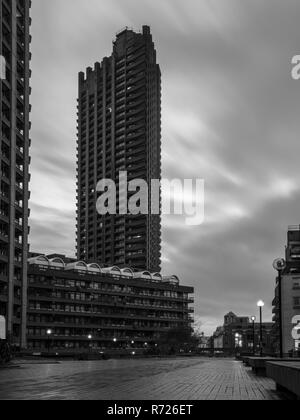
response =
{"points": [[175, 379]]}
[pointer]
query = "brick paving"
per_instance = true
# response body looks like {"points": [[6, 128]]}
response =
{"points": [[150, 379]]}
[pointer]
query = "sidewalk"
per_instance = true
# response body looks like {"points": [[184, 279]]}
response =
{"points": [[176, 379]]}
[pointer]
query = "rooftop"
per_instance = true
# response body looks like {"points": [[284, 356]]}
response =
{"points": [[145, 30], [60, 262]]}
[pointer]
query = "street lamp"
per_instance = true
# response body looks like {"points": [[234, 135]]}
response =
{"points": [[280, 265], [49, 333], [260, 305], [253, 319], [90, 337]]}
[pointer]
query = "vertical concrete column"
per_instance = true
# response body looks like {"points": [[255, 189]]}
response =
{"points": [[11, 265], [26, 178]]}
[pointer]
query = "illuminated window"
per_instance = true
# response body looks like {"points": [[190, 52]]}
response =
{"points": [[238, 340]]}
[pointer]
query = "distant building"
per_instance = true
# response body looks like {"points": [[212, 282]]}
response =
{"points": [[204, 342], [218, 338], [83, 306], [238, 334], [290, 294]]}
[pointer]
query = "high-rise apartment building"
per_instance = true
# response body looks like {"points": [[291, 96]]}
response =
{"points": [[290, 297], [14, 165], [119, 129]]}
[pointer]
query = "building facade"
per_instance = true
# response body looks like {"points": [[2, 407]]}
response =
{"points": [[218, 338], [119, 130], [290, 294], [204, 342], [82, 306], [240, 334], [14, 165]]}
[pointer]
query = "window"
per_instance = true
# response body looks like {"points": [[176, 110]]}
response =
{"points": [[296, 301]]}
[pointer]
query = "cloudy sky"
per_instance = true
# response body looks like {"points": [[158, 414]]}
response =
{"points": [[230, 116]]}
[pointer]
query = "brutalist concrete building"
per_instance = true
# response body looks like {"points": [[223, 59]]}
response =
{"points": [[74, 306], [119, 129], [14, 163]]}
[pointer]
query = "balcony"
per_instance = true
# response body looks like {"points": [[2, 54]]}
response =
{"points": [[4, 216], [4, 236], [4, 257], [3, 298], [19, 205], [18, 243]]}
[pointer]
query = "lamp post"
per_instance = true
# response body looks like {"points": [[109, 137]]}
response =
{"points": [[280, 265], [253, 319], [90, 337], [115, 340], [49, 333], [260, 305]]}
